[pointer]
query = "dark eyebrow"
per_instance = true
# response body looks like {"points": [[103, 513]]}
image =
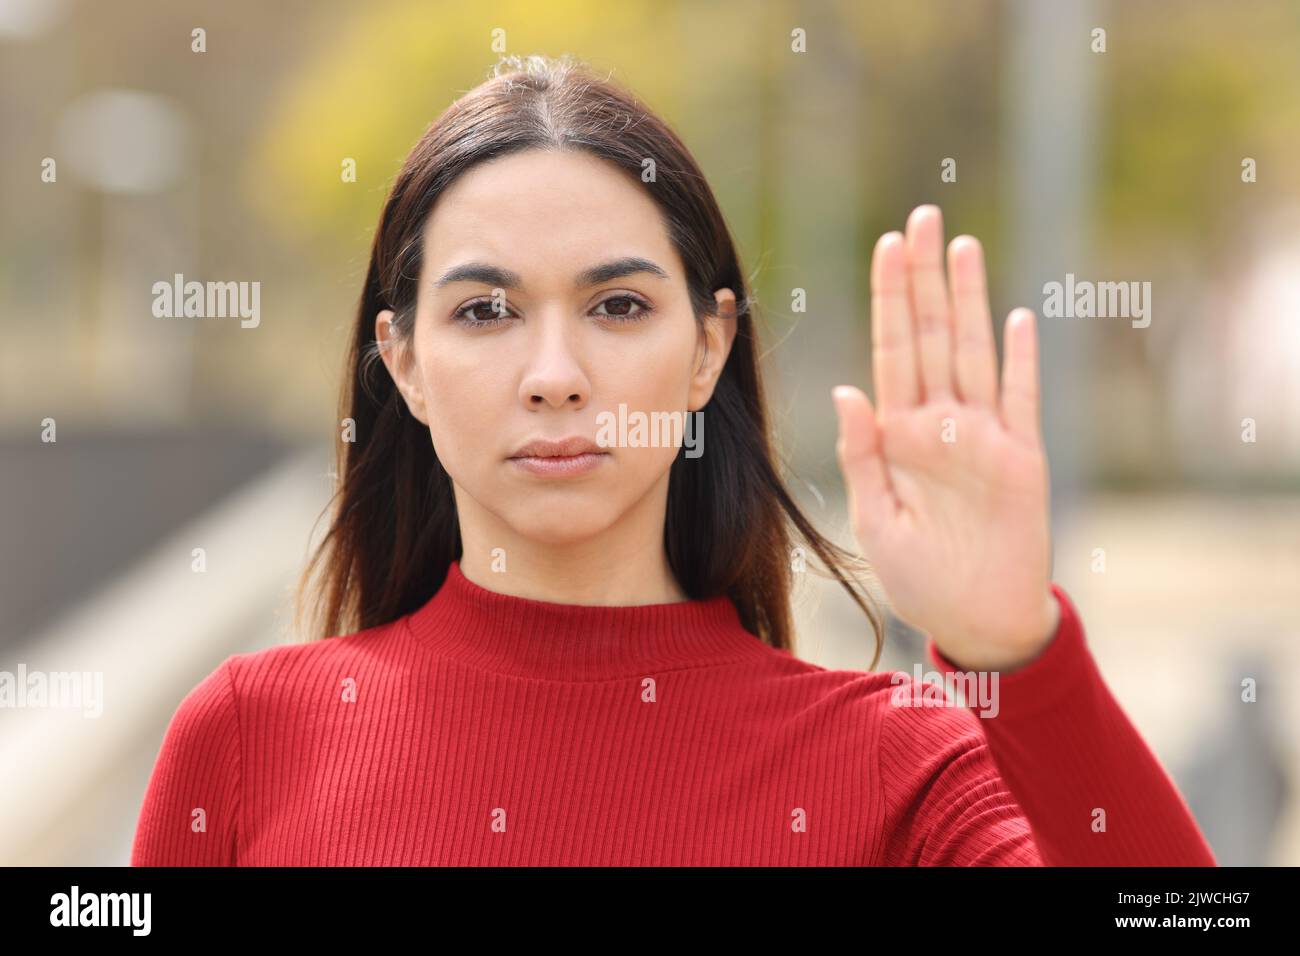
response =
{"points": [[500, 278], [491, 275], [616, 268]]}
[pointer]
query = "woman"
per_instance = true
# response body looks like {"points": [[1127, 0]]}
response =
{"points": [[565, 651]]}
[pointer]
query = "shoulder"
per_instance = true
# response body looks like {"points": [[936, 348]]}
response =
{"points": [[923, 727], [887, 723], [934, 763], [891, 710], [271, 671], [889, 702], [911, 727], [206, 716], [275, 673], [251, 688]]}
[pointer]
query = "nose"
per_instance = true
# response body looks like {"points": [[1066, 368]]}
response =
{"points": [[554, 375]]}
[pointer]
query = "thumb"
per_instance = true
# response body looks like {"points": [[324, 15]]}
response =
{"points": [[871, 498]]}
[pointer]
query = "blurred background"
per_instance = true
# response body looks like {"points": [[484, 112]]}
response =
{"points": [[1146, 142]]}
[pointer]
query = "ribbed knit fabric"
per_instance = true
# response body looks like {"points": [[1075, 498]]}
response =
{"points": [[486, 729]]}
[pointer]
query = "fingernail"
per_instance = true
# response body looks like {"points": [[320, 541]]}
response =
{"points": [[839, 394]]}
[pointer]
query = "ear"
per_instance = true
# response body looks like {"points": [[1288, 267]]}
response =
{"points": [[715, 345], [399, 358]]}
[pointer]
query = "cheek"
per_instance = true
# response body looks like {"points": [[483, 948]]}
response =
{"points": [[464, 404], [650, 373], [661, 385]]}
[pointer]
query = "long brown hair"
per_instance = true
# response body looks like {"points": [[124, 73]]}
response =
{"points": [[730, 520]]}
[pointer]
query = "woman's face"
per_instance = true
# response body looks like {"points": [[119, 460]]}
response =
{"points": [[520, 336]]}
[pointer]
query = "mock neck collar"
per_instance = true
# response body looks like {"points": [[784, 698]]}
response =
{"points": [[529, 638]]}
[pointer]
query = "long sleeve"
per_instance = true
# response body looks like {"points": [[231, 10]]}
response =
{"points": [[1055, 775], [192, 804]]}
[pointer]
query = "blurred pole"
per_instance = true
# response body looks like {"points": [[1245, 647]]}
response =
{"points": [[818, 143], [1051, 75], [135, 150]]}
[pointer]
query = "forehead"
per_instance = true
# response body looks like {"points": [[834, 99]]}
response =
{"points": [[546, 210]]}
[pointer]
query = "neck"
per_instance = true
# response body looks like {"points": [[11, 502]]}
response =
{"points": [[493, 631], [564, 577], [624, 565]]}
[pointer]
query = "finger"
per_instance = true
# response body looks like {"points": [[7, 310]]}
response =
{"points": [[930, 301], [974, 355], [1020, 376], [893, 343], [871, 498]]}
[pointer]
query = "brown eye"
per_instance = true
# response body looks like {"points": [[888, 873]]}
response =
{"points": [[479, 314], [625, 308]]}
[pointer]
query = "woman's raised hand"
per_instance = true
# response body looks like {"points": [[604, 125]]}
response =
{"points": [[947, 476]]}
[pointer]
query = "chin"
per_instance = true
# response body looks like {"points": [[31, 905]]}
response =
{"points": [[553, 524]]}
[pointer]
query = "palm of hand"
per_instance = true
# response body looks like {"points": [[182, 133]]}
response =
{"points": [[947, 481]]}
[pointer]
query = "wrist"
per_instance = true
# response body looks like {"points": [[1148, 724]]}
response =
{"points": [[1010, 651], [1043, 634]]}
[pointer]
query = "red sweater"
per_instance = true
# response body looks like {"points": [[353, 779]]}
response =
{"points": [[486, 729]]}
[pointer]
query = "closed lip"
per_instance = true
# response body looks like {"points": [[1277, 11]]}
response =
{"points": [[563, 448]]}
